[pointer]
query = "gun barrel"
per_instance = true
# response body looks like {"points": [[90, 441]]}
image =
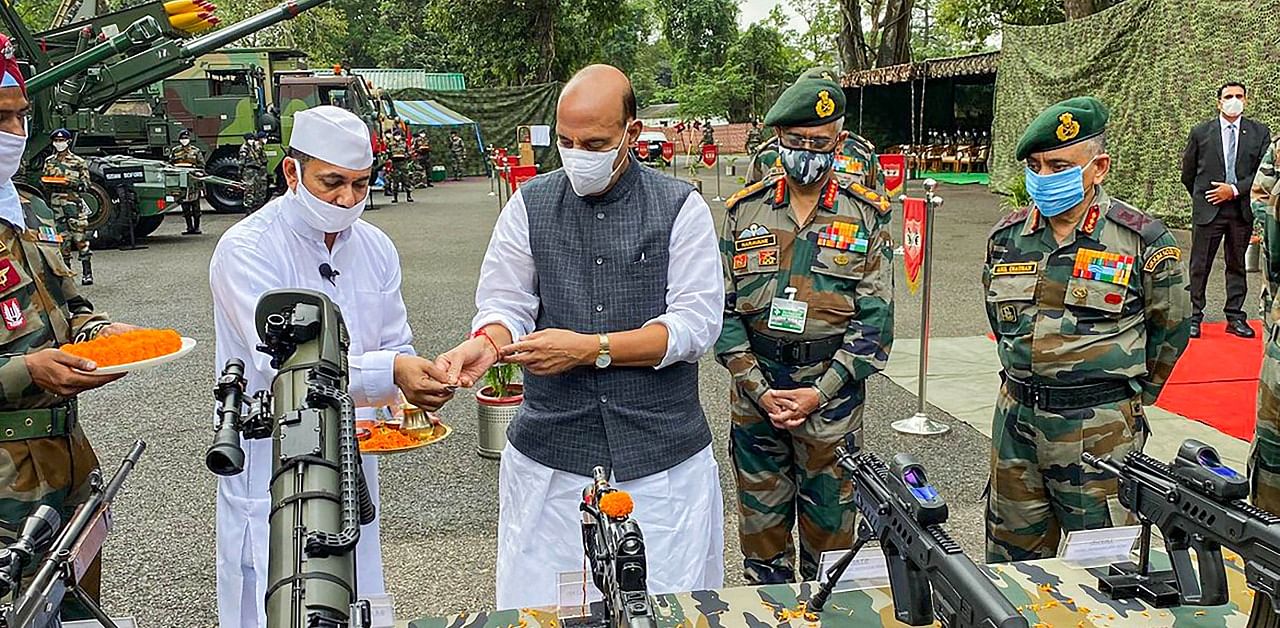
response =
{"points": [[140, 32], [1102, 464], [217, 39], [126, 467]]}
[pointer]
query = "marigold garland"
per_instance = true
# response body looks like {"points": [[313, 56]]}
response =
{"points": [[128, 347], [383, 437]]}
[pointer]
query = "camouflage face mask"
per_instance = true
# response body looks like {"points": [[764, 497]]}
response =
{"points": [[806, 167]]}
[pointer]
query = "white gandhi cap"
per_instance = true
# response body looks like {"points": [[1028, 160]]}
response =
{"points": [[333, 134]]}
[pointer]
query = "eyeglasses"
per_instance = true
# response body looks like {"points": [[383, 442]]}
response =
{"points": [[791, 140]]}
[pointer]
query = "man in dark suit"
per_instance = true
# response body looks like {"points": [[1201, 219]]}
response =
{"points": [[1218, 165]]}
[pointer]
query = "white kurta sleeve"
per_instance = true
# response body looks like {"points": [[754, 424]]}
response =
{"points": [[695, 285], [372, 380], [508, 289], [238, 275]]}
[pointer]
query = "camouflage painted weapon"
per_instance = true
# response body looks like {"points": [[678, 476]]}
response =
{"points": [[901, 509], [1198, 503], [615, 549], [71, 554]]}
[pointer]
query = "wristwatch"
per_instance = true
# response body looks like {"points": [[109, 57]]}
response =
{"points": [[603, 359]]}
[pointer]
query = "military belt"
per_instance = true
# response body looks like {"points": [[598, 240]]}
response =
{"points": [[796, 352], [1066, 397], [38, 422]]}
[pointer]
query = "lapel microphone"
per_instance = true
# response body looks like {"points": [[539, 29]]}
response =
{"points": [[328, 272]]}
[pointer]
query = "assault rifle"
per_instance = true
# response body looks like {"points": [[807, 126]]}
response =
{"points": [[901, 509], [615, 549], [1197, 502], [69, 556]]}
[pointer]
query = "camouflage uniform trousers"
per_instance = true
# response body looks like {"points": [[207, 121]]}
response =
{"points": [[1039, 486], [1264, 458], [54, 472], [789, 476], [255, 192], [402, 176], [73, 223], [456, 161]]}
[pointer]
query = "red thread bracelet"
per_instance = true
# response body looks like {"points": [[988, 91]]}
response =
{"points": [[480, 332]]}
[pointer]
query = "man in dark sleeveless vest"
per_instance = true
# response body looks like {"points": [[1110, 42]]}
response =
{"points": [[602, 280]]}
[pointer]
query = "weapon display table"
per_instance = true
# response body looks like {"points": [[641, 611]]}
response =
{"points": [[1047, 592]]}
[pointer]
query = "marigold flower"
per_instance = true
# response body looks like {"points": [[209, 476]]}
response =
{"points": [[617, 504]]}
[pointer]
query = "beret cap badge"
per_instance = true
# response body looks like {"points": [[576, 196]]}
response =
{"points": [[825, 105], [1069, 128]]}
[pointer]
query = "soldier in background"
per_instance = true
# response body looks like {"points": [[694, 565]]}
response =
{"points": [[189, 155], [398, 151], [458, 152], [808, 268], [753, 138], [1088, 300], [708, 134], [1264, 455], [252, 173], [422, 152], [67, 175]]}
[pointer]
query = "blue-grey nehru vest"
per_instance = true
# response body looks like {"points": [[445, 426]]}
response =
{"points": [[601, 264]]}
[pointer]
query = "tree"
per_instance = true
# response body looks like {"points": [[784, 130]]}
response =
{"points": [[884, 40], [699, 33], [757, 66], [822, 21], [978, 20]]}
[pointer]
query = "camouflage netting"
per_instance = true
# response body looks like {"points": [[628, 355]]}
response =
{"points": [[1157, 65], [499, 111]]}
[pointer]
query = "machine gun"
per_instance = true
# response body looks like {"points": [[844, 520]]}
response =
{"points": [[71, 553], [1197, 502], [901, 509], [318, 491], [615, 549]]}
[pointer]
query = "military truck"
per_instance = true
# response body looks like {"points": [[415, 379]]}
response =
{"points": [[91, 76], [241, 90]]}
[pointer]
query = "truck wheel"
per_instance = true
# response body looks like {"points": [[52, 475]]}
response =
{"points": [[101, 205], [223, 199]]}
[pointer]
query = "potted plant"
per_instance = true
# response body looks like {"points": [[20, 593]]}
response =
{"points": [[497, 404]]}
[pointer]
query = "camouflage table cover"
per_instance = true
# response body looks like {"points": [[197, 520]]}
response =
{"points": [[1047, 592]]}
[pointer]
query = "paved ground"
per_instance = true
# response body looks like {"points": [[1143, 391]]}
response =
{"points": [[439, 504]]}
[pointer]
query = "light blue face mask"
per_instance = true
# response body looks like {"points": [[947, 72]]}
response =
{"points": [[1057, 192]]}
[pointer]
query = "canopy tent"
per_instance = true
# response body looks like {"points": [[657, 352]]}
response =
{"points": [[438, 120], [1157, 65], [500, 110], [909, 103]]}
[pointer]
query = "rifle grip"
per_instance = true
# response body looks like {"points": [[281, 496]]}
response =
{"points": [[1188, 582], [915, 606], [1213, 574]]}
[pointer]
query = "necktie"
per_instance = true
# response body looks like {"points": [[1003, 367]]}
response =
{"points": [[1231, 153]]}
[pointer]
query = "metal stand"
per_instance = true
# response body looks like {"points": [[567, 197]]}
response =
{"points": [[502, 182], [1126, 580], [493, 179], [718, 196], [919, 423]]}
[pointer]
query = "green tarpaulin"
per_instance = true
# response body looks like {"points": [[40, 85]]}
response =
{"points": [[498, 111], [1157, 64]]}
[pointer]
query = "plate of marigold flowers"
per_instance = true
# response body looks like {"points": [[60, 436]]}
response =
{"points": [[133, 350]]}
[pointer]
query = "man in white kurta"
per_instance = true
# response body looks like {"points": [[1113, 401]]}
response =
{"points": [[309, 238]]}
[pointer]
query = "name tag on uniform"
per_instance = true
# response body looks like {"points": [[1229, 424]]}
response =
{"points": [[788, 315], [1014, 268]]}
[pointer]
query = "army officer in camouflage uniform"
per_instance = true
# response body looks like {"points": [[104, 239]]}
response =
{"points": [[1088, 300], [46, 458], [808, 268], [1264, 455], [66, 175], [189, 155]]}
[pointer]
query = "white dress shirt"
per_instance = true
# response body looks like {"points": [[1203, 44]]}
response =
{"points": [[1224, 128], [274, 248], [508, 288]]}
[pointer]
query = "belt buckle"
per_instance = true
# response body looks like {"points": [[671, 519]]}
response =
{"points": [[795, 353]]}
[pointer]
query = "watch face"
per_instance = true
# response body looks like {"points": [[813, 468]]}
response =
{"points": [[603, 360]]}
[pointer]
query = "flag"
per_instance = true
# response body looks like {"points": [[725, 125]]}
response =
{"points": [[894, 168], [914, 215]]}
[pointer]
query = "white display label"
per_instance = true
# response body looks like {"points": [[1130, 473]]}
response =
{"points": [[868, 570], [575, 592], [1097, 548], [383, 610]]}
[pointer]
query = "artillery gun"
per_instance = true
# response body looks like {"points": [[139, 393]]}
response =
{"points": [[86, 76]]}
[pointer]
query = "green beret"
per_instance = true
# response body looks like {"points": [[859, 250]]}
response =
{"points": [[815, 99], [1069, 122]]}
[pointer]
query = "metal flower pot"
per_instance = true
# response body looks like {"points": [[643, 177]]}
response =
{"points": [[495, 415]]}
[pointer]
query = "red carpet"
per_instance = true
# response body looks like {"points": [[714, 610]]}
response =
{"points": [[1216, 380]]}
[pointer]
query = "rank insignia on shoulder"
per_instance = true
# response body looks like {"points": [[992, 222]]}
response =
{"points": [[768, 257], [740, 261], [1163, 253], [1103, 266], [754, 237], [11, 309], [48, 234], [1014, 268]]}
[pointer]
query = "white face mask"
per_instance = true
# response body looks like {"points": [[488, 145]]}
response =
{"points": [[589, 171], [184, 141], [11, 147], [323, 216], [1233, 107], [60, 146]]}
